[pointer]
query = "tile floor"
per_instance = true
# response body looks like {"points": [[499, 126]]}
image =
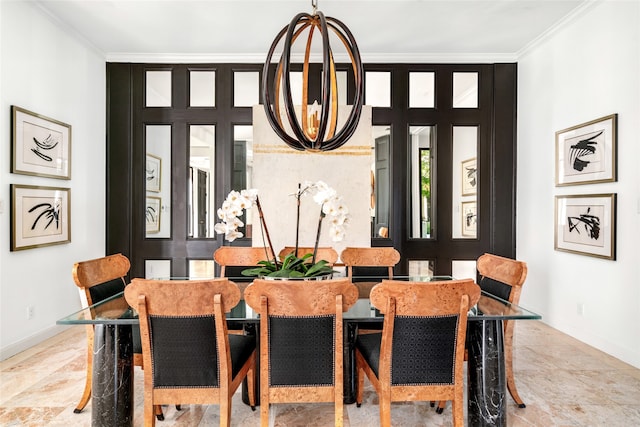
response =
{"points": [[563, 382]]}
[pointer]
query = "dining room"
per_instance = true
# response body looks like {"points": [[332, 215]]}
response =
{"points": [[404, 176]]}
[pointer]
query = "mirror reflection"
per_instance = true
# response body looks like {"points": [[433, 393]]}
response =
{"points": [[241, 177], [465, 182], [380, 182], [158, 181], [422, 139], [201, 209]]}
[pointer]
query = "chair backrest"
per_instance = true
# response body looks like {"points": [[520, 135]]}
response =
{"points": [[425, 325], [502, 277], [233, 259], [101, 278], [301, 331], [370, 261], [175, 317], [324, 253]]}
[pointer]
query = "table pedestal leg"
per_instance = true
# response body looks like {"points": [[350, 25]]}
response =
{"points": [[486, 374], [350, 332], [112, 384]]}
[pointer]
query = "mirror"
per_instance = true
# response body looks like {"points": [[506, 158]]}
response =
{"points": [[465, 182], [422, 141], [380, 182], [158, 181], [201, 208]]}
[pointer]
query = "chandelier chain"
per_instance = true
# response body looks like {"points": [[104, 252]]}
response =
{"points": [[314, 5]]}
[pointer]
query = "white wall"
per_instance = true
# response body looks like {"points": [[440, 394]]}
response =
{"points": [[587, 69], [45, 70]]}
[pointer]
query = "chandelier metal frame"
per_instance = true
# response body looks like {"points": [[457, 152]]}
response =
{"points": [[322, 135]]}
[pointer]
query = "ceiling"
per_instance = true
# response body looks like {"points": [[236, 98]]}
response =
{"points": [[243, 30]]}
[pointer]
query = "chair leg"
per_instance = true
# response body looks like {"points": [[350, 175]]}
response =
{"points": [[508, 357], [385, 410], [457, 412], [149, 414], [441, 405], [264, 413], [157, 410], [225, 411], [86, 394]]}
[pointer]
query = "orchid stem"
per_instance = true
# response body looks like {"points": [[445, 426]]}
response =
{"points": [[315, 249], [298, 219], [266, 230]]}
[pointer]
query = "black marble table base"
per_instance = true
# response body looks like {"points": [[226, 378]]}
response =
{"points": [[486, 377], [112, 383]]}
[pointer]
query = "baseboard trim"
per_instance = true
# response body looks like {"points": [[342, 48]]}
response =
{"points": [[30, 341]]}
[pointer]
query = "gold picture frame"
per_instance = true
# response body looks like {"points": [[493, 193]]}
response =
{"points": [[469, 177], [40, 216], [153, 208], [586, 153], [41, 146], [586, 225]]}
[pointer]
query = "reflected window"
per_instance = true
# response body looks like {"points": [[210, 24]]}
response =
{"points": [[158, 181], [463, 269], [465, 182], [465, 90], [380, 182], [245, 88], [202, 88], [421, 269], [157, 269], [158, 89], [201, 200], [422, 141], [242, 173], [421, 89], [201, 268], [377, 87]]}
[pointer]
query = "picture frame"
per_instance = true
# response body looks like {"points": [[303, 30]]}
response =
{"points": [[586, 225], [587, 153], [153, 208], [469, 177], [41, 146], [153, 172], [40, 216], [469, 218]]}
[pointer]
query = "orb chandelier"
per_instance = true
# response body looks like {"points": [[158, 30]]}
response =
{"points": [[317, 131]]}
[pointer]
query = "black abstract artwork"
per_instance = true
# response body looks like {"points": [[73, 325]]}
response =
{"points": [[48, 212], [586, 222], [582, 149], [44, 145], [151, 215], [471, 175]]}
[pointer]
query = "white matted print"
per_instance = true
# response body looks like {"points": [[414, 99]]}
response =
{"points": [[469, 177], [586, 153], [153, 172], [586, 224], [152, 214], [41, 146], [469, 218], [40, 216]]}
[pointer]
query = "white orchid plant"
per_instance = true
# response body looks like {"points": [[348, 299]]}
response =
{"points": [[237, 202]]}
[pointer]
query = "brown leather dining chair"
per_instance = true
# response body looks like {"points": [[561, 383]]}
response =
{"points": [[364, 261], [99, 279], [301, 340], [503, 277], [189, 355], [419, 356]]}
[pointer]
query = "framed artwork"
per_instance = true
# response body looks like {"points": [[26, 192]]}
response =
{"points": [[586, 225], [469, 177], [586, 153], [41, 146], [469, 218], [153, 173], [152, 214], [40, 216]]}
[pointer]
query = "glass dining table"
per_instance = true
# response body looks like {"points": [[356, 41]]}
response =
{"points": [[113, 319]]}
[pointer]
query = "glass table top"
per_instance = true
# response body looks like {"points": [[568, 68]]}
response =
{"points": [[115, 310]]}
